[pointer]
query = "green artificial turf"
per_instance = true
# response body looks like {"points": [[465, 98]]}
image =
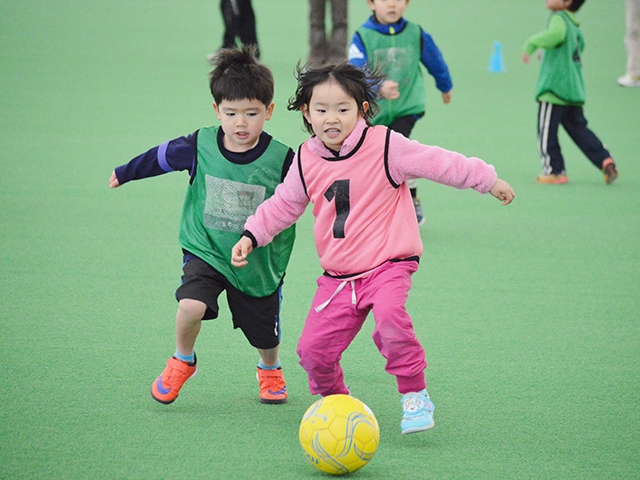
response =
{"points": [[528, 313]]}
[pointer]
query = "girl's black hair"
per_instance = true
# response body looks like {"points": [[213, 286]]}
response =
{"points": [[239, 75], [360, 84]]}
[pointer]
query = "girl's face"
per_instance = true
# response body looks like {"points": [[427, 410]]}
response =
{"points": [[332, 114]]}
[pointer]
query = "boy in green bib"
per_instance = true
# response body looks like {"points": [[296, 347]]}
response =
{"points": [[561, 94], [232, 169], [388, 42]]}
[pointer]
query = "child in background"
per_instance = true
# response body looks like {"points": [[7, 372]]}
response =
{"points": [[632, 43], [389, 42], [561, 94], [331, 48], [365, 231], [239, 22], [232, 169]]}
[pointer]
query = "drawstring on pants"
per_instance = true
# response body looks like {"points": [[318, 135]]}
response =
{"points": [[336, 292]]}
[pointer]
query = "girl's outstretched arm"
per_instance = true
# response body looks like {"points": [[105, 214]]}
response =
{"points": [[281, 210], [502, 191]]}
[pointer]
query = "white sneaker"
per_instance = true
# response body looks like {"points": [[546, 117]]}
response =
{"points": [[629, 81]]}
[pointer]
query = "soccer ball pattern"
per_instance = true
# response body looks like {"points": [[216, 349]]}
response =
{"points": [[339, 434]]}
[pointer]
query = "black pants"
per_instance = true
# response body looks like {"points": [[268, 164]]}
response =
{"points": [[324, 45], [550, 117], [404, 125], [239, 22]]}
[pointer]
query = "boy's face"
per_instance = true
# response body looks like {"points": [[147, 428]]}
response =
{"points": [[332, 113], [388, 11], [242, 122], [556, 5]]}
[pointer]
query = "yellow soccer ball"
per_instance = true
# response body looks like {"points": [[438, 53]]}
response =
{"points": [[339, 434]]}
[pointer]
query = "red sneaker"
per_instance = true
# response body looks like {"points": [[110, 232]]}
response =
{"points": [[273, 389], [552, 179], [610, 171], [166, 387]]}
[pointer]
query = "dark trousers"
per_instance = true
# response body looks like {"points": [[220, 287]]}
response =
{"points": [[239, 22], [325, 46], [404, 125], [550, 117]]}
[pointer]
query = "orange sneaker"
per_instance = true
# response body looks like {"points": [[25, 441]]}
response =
{"points": [[166, 387], [552, 179], [610, 171], [273, 389]]}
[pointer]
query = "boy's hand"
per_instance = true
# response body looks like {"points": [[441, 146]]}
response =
{"points": [[389, 90], [446, 97], [503, 192], [240, 251], [113, 181]]}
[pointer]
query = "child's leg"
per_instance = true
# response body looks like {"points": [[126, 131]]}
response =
{"points": [[182, 365], [387, 290], [269, 357], [549, 119], [198, 300], [259, 320], [317, 35], [326, 334], [575, 124], [632, 37], [247, 23], [338, 45], [230, 24], [273, 388], [404, 125], [188, 323]]}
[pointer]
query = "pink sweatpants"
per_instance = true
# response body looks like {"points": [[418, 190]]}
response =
{"points": [[328, 333]]}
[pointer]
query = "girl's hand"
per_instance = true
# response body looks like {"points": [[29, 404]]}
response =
{"points": [[446, 97], [240, 251], [503, 192], [526, 57]]}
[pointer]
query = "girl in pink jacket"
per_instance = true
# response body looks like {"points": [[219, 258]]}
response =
{"points": [[365, 228]]}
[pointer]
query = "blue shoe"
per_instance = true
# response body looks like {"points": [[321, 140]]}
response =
{"points": [[418, 208], [417, 412]]}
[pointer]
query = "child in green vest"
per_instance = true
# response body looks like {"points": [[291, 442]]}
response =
{"points": [[232, 169], [561, 94], [388, 42]]}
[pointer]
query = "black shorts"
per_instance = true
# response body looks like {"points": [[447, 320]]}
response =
{"points": [[257, 317]]}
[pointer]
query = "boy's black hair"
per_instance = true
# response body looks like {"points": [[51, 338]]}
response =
{"points": [[238, 75], [575, 5], [359, 84]]}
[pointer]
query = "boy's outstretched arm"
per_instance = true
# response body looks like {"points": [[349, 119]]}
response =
{"points": [[502, 191], [240, 251]]}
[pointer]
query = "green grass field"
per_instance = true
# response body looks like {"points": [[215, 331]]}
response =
{"points": [[529, 313]]}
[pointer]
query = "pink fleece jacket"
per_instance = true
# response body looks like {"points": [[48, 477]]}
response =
{"points": [[407, 159]]}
